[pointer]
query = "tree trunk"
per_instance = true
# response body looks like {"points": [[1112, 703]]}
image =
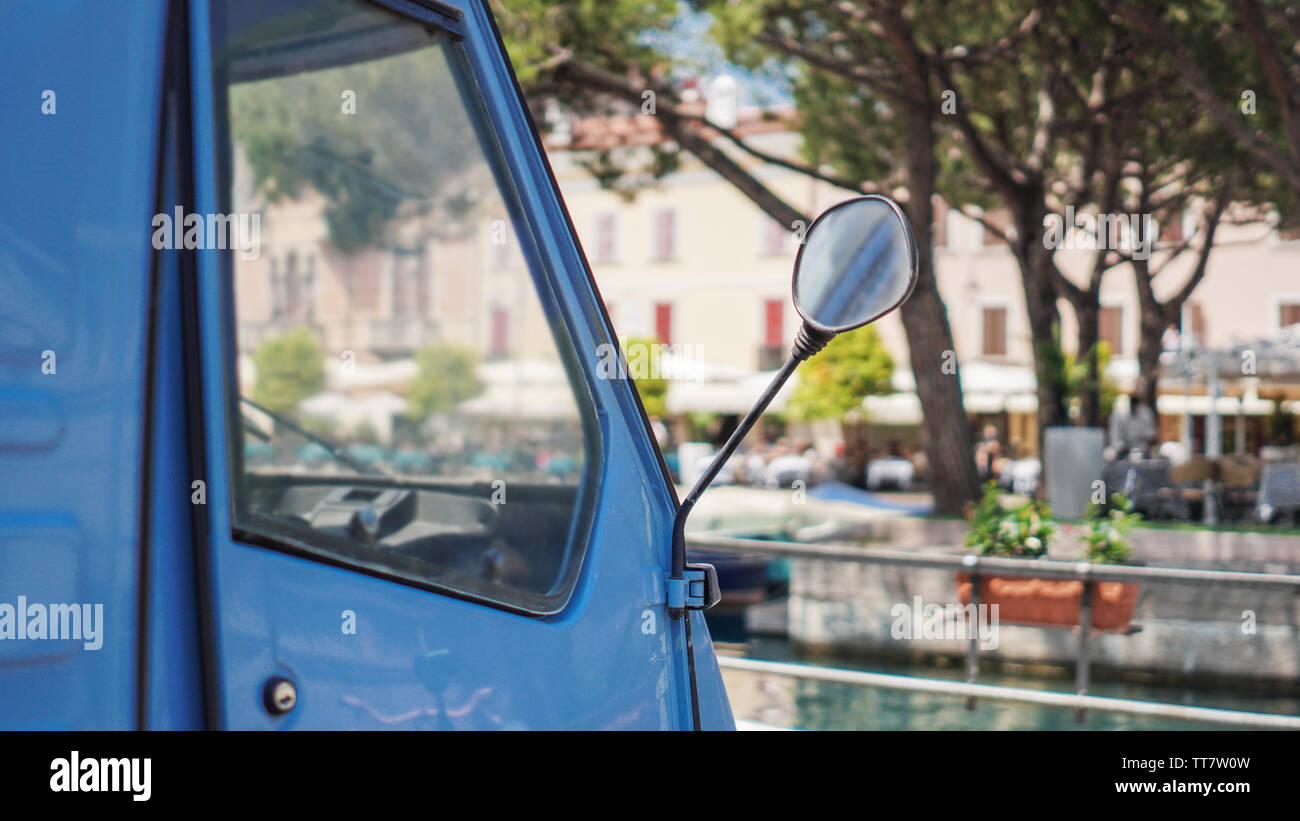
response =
{"points": [[1153, 317], [948, 443], [1088, 315], [1040, 306]]}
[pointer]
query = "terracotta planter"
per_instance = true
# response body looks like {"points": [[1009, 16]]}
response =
{"points": [[1053, 603]]}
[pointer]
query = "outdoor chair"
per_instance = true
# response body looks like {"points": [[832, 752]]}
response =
{"points": [[1238, 485], [1140, 481], [1186, 493], [1279, 491]]}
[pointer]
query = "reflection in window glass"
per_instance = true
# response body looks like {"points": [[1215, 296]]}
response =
{"points": [[405, 404]]}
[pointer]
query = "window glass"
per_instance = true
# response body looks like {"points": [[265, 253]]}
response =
{"points": [[407, 396]]}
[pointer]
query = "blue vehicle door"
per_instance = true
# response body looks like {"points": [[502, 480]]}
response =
{"points": [[425, 502], [78, 153]]}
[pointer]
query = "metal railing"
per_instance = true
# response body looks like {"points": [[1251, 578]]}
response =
{"points": [[979, 567], [1148, 709]]}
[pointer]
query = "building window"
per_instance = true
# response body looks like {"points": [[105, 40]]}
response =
{"points": [[665, 235], [500, 251], [499, 348], [994, 329], [1288, 314], [606, 236], [277, 297], [1198, 324], [772, 352], [940, 227], [997, 219], [664, 322], [1172, 229], [1110, 328], [773, 241]]}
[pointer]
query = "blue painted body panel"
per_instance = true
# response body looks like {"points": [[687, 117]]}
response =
{"points": [[76, 277], [74, 267]]}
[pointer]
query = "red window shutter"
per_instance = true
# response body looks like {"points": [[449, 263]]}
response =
{"points": [[664, 322], [997, 219], [1172, 230], [1290, 315], [1110, 328], [500, 332], [1198, 324], [773, 323], [940, 223], [995, 331]]}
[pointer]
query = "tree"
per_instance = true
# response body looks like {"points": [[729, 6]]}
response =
{"points": [[1239, 59], [851, 367], [290, 368], [645, 368], [863, 84], [446, 375], [591, 56], [374, 169]]}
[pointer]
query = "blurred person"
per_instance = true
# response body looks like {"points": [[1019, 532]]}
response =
{"points": [[988, 452], [1132, 427], [1171, 339]]}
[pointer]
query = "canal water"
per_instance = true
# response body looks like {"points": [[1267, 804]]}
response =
{"points": [[783, 701]]}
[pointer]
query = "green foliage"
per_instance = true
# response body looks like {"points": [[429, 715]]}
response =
{"points": [[853, 366], [1022, 531], [365, 433], [542, 37], [446, 376], [371, 167], [1105, 535], [644, 367], [290, 368], [603, 32], [325, 427], [1078, 380]]}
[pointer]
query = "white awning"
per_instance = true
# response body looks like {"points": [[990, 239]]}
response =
{"points": [[725, 396]]}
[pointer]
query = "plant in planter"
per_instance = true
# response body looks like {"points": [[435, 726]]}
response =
{"points": [[1105, 534], [1021, 531], [1106, 541], [1024, 531]]}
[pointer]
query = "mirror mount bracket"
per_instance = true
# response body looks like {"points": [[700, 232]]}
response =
{"points": [[809, 341]]}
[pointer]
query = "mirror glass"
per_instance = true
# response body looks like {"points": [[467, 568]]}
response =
{"points": [[857, 263]]}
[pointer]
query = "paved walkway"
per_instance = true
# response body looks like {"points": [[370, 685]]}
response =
{"points": [[887, 517]]}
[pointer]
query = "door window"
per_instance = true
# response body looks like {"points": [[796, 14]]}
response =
{"points": [[408, 401]]}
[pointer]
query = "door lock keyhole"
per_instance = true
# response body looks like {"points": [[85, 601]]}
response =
{"points": [[279, 695]]}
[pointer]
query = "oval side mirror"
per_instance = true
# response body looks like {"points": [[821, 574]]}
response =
{"points": [[857, 263]]}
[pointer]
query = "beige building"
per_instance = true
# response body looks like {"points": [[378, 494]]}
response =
{"points": [[692, 261]]}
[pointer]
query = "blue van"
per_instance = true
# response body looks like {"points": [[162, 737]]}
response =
{"points": [[249, 253], [310, 412]]}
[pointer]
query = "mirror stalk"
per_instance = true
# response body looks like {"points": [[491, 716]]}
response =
{"points": [[807, 342], [857, 262]]}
